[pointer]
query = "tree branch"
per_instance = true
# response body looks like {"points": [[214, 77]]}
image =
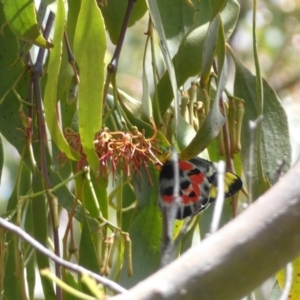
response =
{"points": [[239, 257], [59, 261]]}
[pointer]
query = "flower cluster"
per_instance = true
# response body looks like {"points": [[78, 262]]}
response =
{"points": [[127, 151]]}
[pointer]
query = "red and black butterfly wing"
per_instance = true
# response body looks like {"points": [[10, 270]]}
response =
{"points": [[197, 185], [232, 182], [193, 188]]}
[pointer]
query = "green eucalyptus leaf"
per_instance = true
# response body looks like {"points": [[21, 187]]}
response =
{"points": [[50, 94], [187, 61], [186, 133], [275, 143], [178, 19], [209, 48], [11, 291], [40, 233], [221, 47], [12, 73], [21, 18], [157, 22], [145, 230], [87, 249], [30, 257], [30, 276], [217, 6], [211, 126], [66, 81], [89, 49], [114, 13], [145, 234], [71, 281]]}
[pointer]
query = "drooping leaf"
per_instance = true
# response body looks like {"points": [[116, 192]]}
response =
{"points": [[209, 49], [145, 234], [275, 143], [40, 233], [11, 291], [178, 19], [145, 231], [21, 18], [211, 126], [71, 281], [66, 80], [89, 49], [157, 22], [30, 258], [12, 73], [217, 6], [114, 13], [50, 94], [87, 250], [187, 61]]}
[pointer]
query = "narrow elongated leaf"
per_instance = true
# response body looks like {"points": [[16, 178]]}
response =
{"points": [[11, 125], [187, 61], [221, 48], [30, 276], [146, 100], [89, 49], [209, 49], [182, 19], [145, 234], [217, 6], [114, 13], [211, 126], [11, 291], [156, 19], [275, 143], [66, 72], [87, 252], [40, 233], [21, 17], [30, 258], [50, 97], [71, 281], [145, 231]]}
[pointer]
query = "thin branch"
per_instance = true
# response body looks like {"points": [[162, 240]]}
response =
{"points": [[113, 65], [59, 261], [37, 72], [239, 257]]}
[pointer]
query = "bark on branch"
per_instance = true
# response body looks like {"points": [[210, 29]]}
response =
{"points": [[239, 257]]}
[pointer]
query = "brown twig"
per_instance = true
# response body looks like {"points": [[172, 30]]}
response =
{"points": [[36, 74], [113, 65]]}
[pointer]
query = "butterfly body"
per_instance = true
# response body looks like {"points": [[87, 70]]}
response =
{"points": [[197, 185]]}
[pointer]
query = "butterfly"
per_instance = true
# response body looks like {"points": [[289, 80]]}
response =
{"points": [[197, 185]]}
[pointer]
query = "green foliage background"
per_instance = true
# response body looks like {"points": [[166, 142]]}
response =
{"points": [[195, 37]]}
